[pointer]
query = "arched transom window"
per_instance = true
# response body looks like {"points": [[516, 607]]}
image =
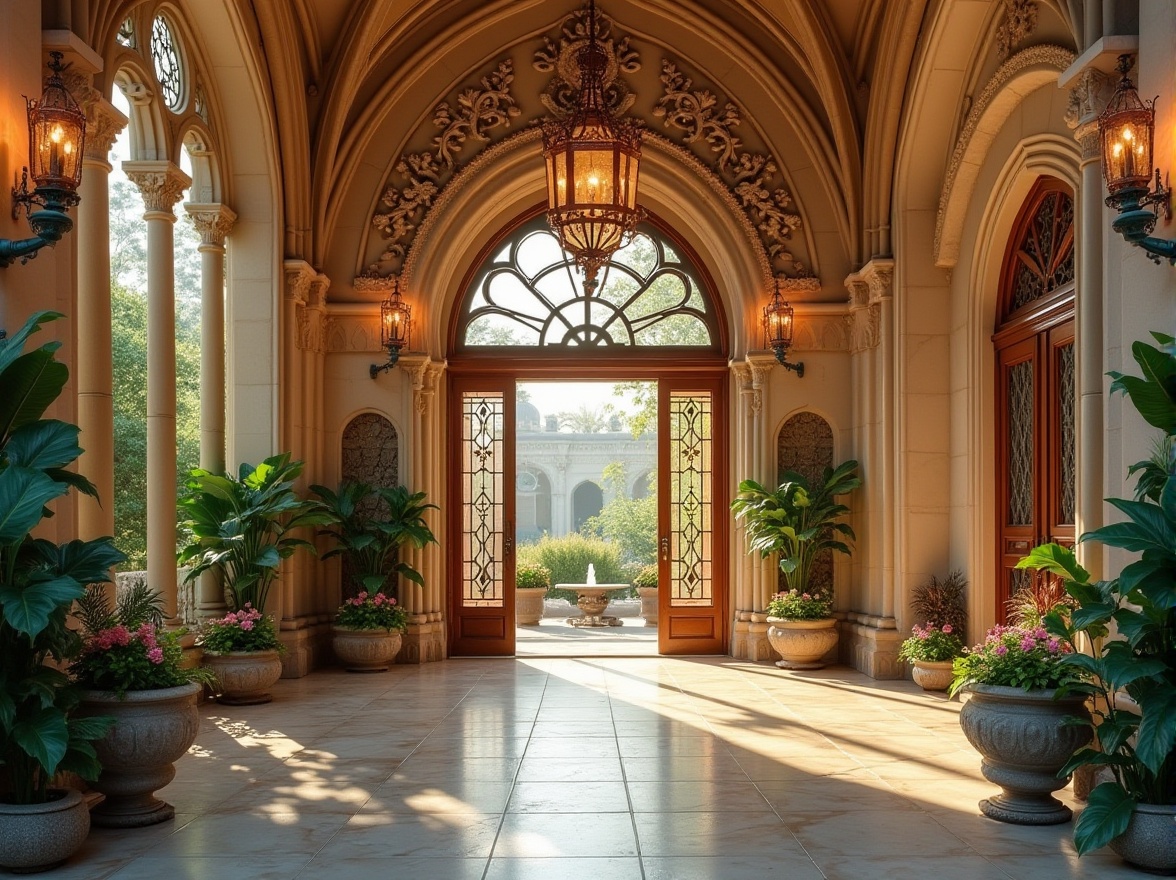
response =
{"points": [[527, 294]]}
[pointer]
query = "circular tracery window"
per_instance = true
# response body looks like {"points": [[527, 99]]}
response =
{"points": [[169, 69]]}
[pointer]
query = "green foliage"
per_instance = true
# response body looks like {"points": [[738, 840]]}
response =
{"points": [[245, 629], [797, 521], [1139, 746], [532, 575], [243, 526], [646, 576], [371, 542], [630, 523], [371, 611], [942, 602], [567, 559], [40, 580], [931, 644]]}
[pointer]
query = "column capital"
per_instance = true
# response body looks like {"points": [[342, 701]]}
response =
{"points": [[879, 275], [299, 275], [212, 221], [104, 123], [161, 183]]}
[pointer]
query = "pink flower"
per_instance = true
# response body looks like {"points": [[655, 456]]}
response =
{"points": [[1028, 643], [1001, 650], [362, 595], [1054, 646], [155, 655], [947, 627], [246, 625], [1040, 633]]}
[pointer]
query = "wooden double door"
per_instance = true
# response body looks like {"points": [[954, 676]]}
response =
{"points": [[692, 506]]}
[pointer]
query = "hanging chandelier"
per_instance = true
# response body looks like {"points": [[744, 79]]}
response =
{"points": [[592, 161]]}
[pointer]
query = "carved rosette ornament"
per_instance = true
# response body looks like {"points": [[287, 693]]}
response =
{"points": [[561, 57], [1018, 20]]}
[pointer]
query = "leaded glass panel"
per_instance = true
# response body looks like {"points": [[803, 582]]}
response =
{"points": [[168, 69], [1045, 255], [529, 294], [483, 496], [1066, 422], [691, 468], [1020, 444]]}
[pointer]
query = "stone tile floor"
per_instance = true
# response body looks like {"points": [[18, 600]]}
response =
{"points": [[587, 769]]}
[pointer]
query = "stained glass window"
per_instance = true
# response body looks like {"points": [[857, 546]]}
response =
{"points": [[1066, 423], [528, 294], [483, 499], [1045, 256], [168, 68], [1021, 452], [692, 513]]}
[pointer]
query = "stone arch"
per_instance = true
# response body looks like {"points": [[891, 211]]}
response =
{"points": [[587, 501], [146, 125], [207, 182]]}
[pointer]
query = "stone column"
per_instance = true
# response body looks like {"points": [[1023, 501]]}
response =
{"points": [[95, 370], [213, 222], [1089, 96], [162, 185]]}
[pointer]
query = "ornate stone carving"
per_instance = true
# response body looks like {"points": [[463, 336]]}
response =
{"points": [[478, 112], [561, 59], [161, 184], [1048, 55], [1017, 22], [299, 274], [371, 451], [104, 123], [375, 283], [213, 222], [312, 315], [351, 332], [820, 332], [706, 126]]}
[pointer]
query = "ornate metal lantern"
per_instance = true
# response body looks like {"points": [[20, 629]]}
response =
{"points": [[395, 328], [778, 326], [592, 164]]}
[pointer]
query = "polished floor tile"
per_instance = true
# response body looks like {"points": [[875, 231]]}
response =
{"points": [[586, 769]]}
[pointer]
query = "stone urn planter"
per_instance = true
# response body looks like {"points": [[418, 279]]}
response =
{"points": [[529, 605], [245, 677], [932, 675], [152, 730], [802, 644], [1024, 741], [1150, 839], [38, 837], [648, 596], [365, 650]]}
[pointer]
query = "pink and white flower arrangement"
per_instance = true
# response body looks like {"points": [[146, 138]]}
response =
{"points": [[371, 611], [245, 629], [931, 644], [800, 605], [1013, 656]]}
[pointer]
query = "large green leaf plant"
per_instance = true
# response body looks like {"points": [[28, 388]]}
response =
{"points": [[370, 525], [243, 526], [40, 580], [798, 521], [1131, 674]]}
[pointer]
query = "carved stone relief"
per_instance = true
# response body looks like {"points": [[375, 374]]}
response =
{"points": [[371, 451], [1017, 22], [560, 58], [805, 446]]}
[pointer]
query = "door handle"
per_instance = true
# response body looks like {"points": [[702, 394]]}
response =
{"points": [[665, 548], [508, 539]]}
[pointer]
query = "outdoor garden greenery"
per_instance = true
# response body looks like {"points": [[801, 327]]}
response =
{"points": [[567, 559], [931, 644], [941, 602]]}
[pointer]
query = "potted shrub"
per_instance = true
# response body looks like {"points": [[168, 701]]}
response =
{"points": [[1132, 673], [941, 603], [129, 669], [531, 583], [368, 631], [930, 650], [243, 527], [798, 522], [1017, 718], [369, 527], [646, 581], [40, 733]]}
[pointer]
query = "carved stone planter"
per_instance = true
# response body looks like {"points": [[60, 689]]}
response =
{"points": [[38, 837], [245, 677], [648, 596], [802, 644], [529, 605], [932, 675], [152, 730], [366, 650], [1024, 741], [1150, 839]]}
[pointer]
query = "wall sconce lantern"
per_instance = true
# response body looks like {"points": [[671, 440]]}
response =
{"points": [[1126, 129], [778, 325], [395, 327], [592, 163], [57, 135]]}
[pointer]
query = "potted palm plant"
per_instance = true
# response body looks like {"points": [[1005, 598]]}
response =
{"points": [[243, 527], [369, 527], [798, 522], [40, 733], [1130, 673]]}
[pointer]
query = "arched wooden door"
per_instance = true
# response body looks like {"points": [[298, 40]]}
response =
{"points": [[1034, 414], [526, 316]]}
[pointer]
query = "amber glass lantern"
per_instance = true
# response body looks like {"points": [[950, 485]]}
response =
{"points": [[592, 162], [779, 319], [395, 328], [1126, 128]]}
